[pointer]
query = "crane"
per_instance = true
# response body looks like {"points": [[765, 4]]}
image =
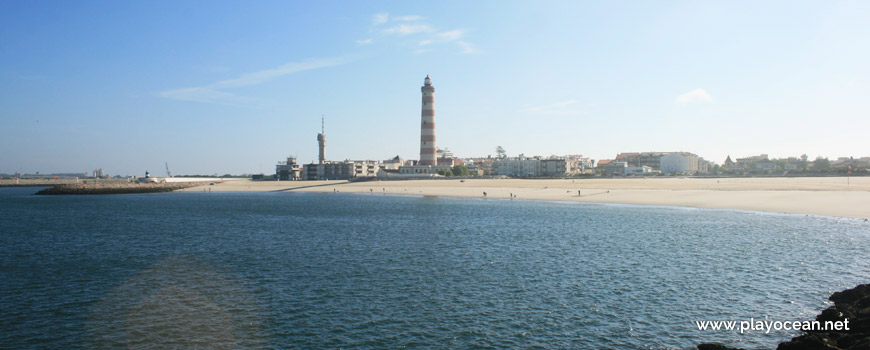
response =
{"points": [[168, 174]]}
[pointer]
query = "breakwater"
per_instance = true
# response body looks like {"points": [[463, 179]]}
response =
{"points": [[117, 188], [851, 305]]}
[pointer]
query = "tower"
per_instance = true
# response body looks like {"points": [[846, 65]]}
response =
{"points": [[321, 142], [427, 128]]}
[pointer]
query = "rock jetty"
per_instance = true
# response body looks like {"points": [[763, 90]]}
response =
{"points": [[852, 304], [117, 188]]}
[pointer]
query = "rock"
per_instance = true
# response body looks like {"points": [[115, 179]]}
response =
{"points": [[116, 188], [852, 305]]}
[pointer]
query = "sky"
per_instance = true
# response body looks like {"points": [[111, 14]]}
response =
{"points": [[217, 87]]}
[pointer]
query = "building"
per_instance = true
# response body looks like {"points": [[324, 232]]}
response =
{"points": [[483, 166], [679, 163], [345, 170], [552, 166], [446, 158], [748, 163], [704, 165], [581, 164], [427, 127], [392, 164], [639, 170], [764, 166], [650, 159], [424, 170], [730, 165], [521, 166], [613, 167], [289, 170], [365, 168], [844, 163]]}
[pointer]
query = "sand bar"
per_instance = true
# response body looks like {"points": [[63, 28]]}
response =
{"points": [[829, 196]]}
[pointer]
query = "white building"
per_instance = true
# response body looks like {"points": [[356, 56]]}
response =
{"points": [[679, 163], [518, 166], [639, 170], [540, 167], [341, 170]]}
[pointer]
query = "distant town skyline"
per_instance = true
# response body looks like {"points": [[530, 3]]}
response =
{"points": [[226, 87]]}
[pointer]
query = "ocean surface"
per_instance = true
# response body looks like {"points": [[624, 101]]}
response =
{"points": [[353, 271]]}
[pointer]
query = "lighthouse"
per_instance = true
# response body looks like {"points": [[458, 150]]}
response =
{"points": [[427, 127], [321, 142]]}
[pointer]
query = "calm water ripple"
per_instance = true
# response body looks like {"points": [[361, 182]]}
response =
{"points": [[283, 270]]}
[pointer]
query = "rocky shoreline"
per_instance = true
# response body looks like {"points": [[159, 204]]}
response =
{"points": [[117, 188], [852, 304]]}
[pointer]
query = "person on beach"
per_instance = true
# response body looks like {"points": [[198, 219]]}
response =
{"points": [[578, 193], [484, 194]]}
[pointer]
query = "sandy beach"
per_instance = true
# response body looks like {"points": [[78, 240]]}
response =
{"points": [[829, 196]]}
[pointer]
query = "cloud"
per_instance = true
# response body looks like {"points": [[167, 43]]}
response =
{"points": [[206, 95], [424, 33], [380, 18], [408, 18], [364, 42], [697, 95], [269, 74], [196, 94], [467, 48], [406, 29], [452, 35], [213, 93], [556, 108]]}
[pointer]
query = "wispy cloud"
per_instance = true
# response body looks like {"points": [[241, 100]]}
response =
{"points": [[213, 93], [697, 95], [364, 41], [407, 29], [567, 107], [467, 48], [269, 74], [452, 35], [205, 95], [380, 18], [408, 18], [424, 33]]}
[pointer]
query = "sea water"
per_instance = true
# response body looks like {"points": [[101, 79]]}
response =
{"points": [[353, 271]]}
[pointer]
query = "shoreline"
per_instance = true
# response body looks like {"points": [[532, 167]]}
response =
{"points": [[827, 196]]}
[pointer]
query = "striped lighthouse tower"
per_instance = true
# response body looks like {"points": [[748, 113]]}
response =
{"points": [[427, 128]]}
